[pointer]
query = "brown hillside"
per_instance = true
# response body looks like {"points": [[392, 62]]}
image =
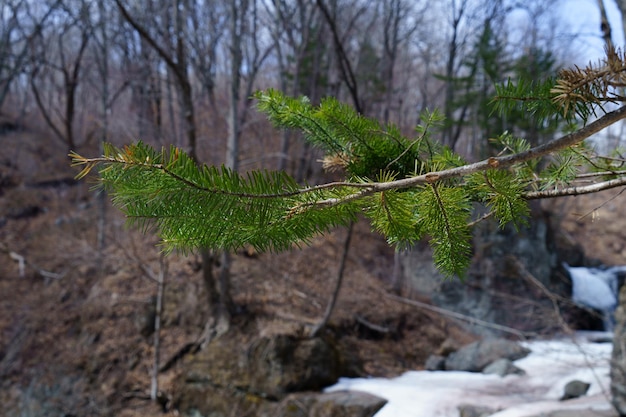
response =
{"points": [[71, 326]]}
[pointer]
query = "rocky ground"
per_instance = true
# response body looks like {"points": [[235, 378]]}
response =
{"points": [[75, 334]]}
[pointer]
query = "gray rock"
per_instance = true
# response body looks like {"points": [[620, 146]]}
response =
{"points": [[332, 404], [476, 356], [495, 293], [575, 389], [435, 363], [470, 410], [282, 364], [236, 373], [503, 367]]}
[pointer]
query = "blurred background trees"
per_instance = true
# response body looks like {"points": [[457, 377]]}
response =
{"points": [[182, 72], [78, 73]]}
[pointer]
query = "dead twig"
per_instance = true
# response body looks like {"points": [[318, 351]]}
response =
{"points": [[458, 316], [554, 298], [374, 327], [22, 263]]}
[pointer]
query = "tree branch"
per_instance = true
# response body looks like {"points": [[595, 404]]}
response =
{"points": [[146, 36], [576, 190], [366, 189], [493, 162]]}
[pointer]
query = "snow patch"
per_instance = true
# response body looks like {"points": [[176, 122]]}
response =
{"points": [[550, 366]]}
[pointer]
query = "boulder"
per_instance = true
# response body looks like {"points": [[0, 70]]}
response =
{"points": [[435, 363], [469, 410], [503, 367], [331, 404], [476, 356], [575, 389], [250, 373], [282, 364]]}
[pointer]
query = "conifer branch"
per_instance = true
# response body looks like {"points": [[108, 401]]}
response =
{"points": [[500, 162], [90, 163], [594, 84], [408, 188], [575, 190], [442, 209]]}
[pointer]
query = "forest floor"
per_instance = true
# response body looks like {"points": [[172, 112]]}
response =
{"points": [[73, 320]]}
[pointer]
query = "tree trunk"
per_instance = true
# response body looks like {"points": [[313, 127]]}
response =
{"points": [[621, 5], [219, 292], [450, 136], [618, 356], [218, 321], [340, 272], [103, 66], [618, 359], [154, 380], [605, 27]]}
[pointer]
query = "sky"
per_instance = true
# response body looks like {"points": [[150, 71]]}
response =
{"points": [[550, 366], [584, 18]]}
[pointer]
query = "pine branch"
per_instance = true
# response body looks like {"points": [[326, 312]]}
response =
{"points": [[194, 207], [408, 188], [444, 214], [575, 190], [499, 162], [596, 84]]}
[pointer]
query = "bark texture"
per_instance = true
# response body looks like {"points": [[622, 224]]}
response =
{"points": [[618, 359]]}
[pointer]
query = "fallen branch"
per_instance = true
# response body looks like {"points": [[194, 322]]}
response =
{"points": [[452, 314], [191, 347], [22, 263], [374, 327], [554, 298]]}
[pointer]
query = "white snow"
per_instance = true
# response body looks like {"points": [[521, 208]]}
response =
{"points": [[550, 366], [594, 287]]}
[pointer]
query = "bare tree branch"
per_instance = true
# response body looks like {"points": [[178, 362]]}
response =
{"points": [[576, 190]]}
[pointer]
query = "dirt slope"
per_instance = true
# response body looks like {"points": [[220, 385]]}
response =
{"points": [[79, 343], [74, 327]]}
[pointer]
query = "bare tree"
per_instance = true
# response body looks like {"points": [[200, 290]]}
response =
{"points": [[246, 59], [396, 31], [238, 10], [605, 26], [173, 51], [172, 47], [294, 26], [102, 57], [338, 282], [21, 24], [621, 5], [458, 12], [345, 65], [56, 64], [207, 28]]}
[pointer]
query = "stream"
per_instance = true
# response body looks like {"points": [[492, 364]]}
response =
{"points": [[550, 365], [584, 356]]}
